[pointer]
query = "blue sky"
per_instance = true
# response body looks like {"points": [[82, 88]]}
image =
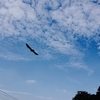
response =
{"points": [[65, 34]]}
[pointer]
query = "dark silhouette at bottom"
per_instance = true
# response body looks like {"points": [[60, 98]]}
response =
{"points": [[83, 95]]}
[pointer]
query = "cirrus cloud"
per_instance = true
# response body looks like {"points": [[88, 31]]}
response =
{"points": [[31, 81]]}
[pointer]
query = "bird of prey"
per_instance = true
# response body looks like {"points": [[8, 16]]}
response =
{"points": [[32, 50]]}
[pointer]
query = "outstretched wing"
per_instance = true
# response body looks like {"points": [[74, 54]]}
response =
{"points": [[35, 53], [32, 50], [28, 46]]}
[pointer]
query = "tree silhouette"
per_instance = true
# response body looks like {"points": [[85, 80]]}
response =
{"points": [[98, 89], [83, 95], [98, 94]]}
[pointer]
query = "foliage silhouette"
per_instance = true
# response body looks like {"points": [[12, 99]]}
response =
{"points": [[83, 95]]}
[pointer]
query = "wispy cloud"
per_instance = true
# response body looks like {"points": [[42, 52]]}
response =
{"points": [[79, 64], [45, 98], [64, 91], [98, 48], [1, 85], [13, 56], [75, 63], [1, 69], [16, 92], [31, 81], [60, 67], [74, 81]]}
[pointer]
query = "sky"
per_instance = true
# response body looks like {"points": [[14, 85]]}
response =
{"points": [[65, 34]]}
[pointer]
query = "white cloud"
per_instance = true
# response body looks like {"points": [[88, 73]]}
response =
{"points": [[84, 22], [45, 98], [31, 81], [56, 24], [64, 91]]}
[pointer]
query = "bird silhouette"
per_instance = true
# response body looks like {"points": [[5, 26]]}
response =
{"points": [[32, 50]]}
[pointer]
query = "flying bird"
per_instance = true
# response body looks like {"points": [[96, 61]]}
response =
{"points": [[32, 50]]}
